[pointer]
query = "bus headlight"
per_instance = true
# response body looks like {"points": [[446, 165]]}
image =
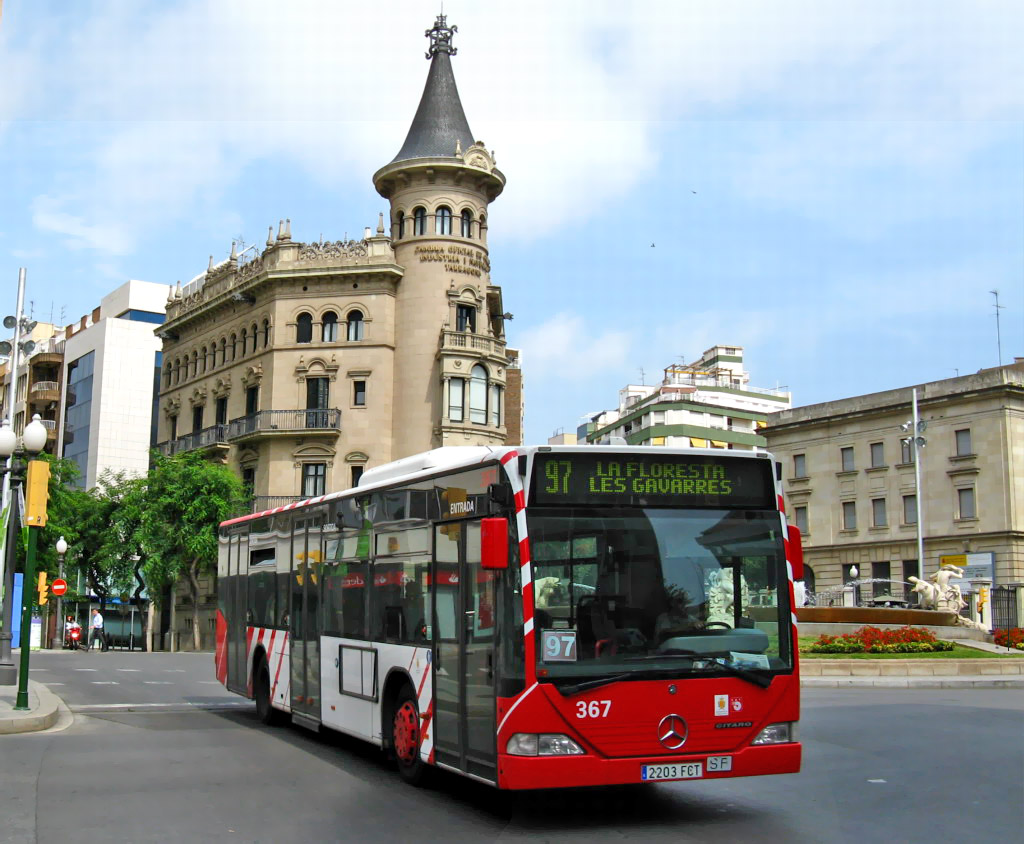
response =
{"points": [[775, 734], [545, 744]]}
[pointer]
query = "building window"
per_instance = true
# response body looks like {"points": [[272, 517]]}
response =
{"points": [[197, 418], [465, 318], [317, 402], [910, 569], [314, 479], [357, 473], [234, 347], [177, 370], [252, 400], [910, 509], [799, 465], [419, 221], [467, 223], [849, 515], [879, 518], [963, 442], [400, 224], [906, 451], [359, 393], [255, 332], [880, 573], [877, 455], [220, 410], [443, 220], [478, 395], [174, 428], [965, 503], [329, 327], [167, 375], [456, 398], [354, 326], [303, 329], [223, 351], [249, 480], [800, 518], [245, 341], [266, 333], [494, 405], [846, 458], [195, 364]]}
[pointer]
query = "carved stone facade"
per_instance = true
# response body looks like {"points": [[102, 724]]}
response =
{"points": [[304, 363]]}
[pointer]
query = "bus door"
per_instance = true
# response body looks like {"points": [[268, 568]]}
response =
{"points": [[465, 609], [307, 568], [236, 591]]}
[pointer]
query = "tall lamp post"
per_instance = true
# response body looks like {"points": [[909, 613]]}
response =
{"points": [[58, 632], [32, 442], [915, 427]]}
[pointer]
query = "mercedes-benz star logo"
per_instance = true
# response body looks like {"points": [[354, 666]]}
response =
{"points": [[672, 731]]}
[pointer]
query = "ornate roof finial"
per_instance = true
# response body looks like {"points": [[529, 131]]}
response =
{"points": [[441, 37], [210, 267], [380, 223], [270, 235], [234, 252]]}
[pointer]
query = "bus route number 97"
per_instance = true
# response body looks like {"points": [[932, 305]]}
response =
{"points": [[559, 645]]}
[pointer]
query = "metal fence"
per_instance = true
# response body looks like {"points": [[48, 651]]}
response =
{"points": [[1004, 608]]}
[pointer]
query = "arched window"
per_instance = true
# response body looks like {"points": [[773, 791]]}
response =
{"points": [[330, 327], [202, 361], [478, 395], [467, 223], [255, 335], [443, 220], [234, 346], [223, 351], [483, 227], [245, 341], [167, 374], [419, 220], [304, 328], [195, 364], [266, 333], [400, 224], [177, 370], [354, 326]]}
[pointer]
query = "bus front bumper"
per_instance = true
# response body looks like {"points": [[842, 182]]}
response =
{"points": [[526, 772]]}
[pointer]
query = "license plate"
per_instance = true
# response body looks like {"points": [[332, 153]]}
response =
{"points": [[676, 771]]}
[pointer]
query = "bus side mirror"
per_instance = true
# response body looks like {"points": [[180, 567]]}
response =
{"points": [[795, 552], [494, 543]]}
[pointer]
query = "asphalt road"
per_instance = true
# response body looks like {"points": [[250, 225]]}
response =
{"points": [[193, 764]]}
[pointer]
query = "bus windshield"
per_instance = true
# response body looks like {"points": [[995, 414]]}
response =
{"points": [[669, 591]]}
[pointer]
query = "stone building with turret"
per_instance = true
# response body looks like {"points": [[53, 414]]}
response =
{"points": [[303, 363]]}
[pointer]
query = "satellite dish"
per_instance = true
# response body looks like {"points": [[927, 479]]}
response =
{"points": [[27, 347], [10, 322], [5, 348]]}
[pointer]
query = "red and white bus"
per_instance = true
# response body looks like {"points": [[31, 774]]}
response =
{"points": [[531, 617]]}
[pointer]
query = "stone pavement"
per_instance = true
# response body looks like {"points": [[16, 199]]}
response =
{"points": [[43, 709]]}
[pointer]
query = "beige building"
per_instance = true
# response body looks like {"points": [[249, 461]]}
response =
{"points": [[304, 363], [849, 479]]}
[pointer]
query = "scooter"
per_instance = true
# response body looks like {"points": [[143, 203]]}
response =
{"points": [[73, 639]]}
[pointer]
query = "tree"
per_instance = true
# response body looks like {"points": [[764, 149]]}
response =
{"points": [[187, 497]]}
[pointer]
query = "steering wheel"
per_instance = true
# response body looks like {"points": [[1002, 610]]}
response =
{"points": [[715, 624]]}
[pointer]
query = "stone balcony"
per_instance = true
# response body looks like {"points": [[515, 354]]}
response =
{"points": [[264, 423]]}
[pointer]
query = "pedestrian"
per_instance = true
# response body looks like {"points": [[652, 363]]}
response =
{"points": [[97, 630]]}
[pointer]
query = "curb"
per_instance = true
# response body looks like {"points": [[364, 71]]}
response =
{"points": [[42, 717], [934, 682]]}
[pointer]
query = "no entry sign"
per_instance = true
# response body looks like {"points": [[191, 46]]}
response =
{"points": [[59, 587]]}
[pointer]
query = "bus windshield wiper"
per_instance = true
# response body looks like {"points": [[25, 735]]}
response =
{"points": [[757, 676], [576, 688]]}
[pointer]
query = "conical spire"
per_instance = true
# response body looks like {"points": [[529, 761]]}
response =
{"points": [[440, 124]]}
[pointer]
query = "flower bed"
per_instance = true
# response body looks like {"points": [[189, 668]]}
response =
{"points": [[1011, 638], [903, 640]]}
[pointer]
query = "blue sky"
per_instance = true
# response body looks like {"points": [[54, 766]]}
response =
{"points": [[835, 185]]}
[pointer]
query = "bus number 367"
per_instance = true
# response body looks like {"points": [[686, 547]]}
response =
{"points": [[593, 709]]}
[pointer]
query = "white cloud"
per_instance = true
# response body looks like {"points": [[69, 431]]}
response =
{"points": [[566, 348]]}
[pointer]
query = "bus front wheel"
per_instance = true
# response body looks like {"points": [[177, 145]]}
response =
{"points": [[261, 691], [405, 737]]}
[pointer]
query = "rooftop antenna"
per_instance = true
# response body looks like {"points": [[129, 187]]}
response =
{"points": [[643, 382], [999, 341]]}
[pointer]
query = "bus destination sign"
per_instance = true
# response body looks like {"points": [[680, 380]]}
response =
{"points": [[642, 479]]}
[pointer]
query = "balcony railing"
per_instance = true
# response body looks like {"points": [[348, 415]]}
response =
{"points": [[476, 342], [269, 502], [264, 421], [40, 386], [49, 424]]}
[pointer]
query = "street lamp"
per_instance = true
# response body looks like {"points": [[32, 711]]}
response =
{"points": [[61, 547], [915, 426], [854, 574], [32, 442]]}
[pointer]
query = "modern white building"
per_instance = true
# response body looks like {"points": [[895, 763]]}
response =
{"points": [[707, 403], [110, 382]]}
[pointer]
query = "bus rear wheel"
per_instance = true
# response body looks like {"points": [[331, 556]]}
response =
{"points": [[261, 691], [405, 737]]}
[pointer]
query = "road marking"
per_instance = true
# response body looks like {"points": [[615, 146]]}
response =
{"points": [[54, 684], [39, 669], [174, 671], [158, 682], [129, 669], [876, 780], [185, 705], [84, 669], [105, 683], [209, 682]]}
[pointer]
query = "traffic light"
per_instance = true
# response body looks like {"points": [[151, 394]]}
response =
{"points": [[42, 588], [36, 493]]}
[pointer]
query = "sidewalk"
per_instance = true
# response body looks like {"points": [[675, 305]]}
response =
{"points": [[44, 708]]}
